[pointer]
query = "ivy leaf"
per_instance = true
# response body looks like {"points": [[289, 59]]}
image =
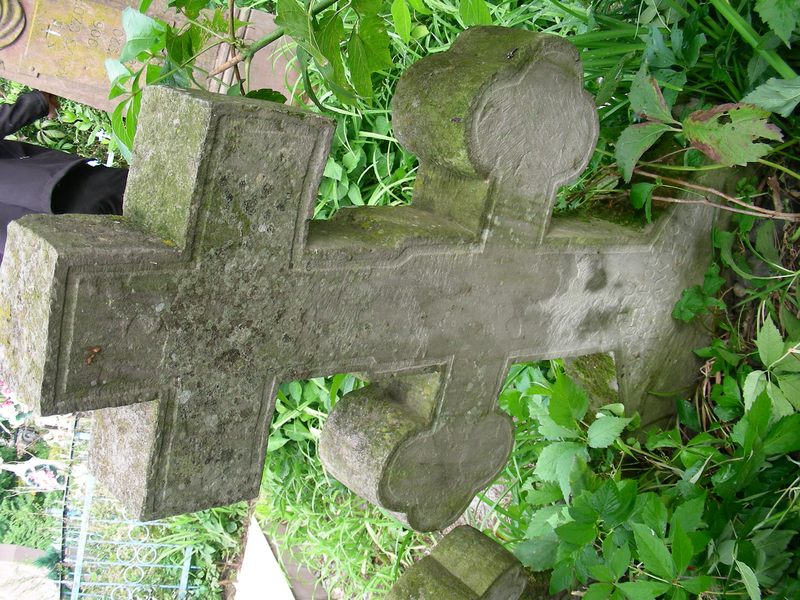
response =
{"points": [[780, 15], [643, 590], [568, 402], [769, 342], [646, 98], [141, 33], [749, 580], [727, 133], [653, 551], [604, 430], [776, 95], [402, 19], [474, 12], [634, 141]]}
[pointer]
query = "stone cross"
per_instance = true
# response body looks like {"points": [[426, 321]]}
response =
{"points": [[179, 319], [465, 565]]}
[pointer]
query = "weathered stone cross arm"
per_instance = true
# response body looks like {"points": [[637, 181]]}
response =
{"points": [[179, 319]]}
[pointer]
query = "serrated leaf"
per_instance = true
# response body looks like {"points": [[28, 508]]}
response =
{"points": [[538, 554], [790, 386], [555, 463], [578, 534], [141, 33], [402, 19], [359, 67], [598, 591], [643, 590], [727, 133], [780, 405], [689, 515], [754, 384], [780, 15], [544, 521], [633, 142], [698, 585], [784, 437], [769, 342], [682, 549], [776, 95], [653, 551], [603, 431], [568, 402], [620, 560], [749, 580], [372, 32], [646, 98], [474, 12]]}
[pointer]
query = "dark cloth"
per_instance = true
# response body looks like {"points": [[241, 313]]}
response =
{"points": [[39, 180]]}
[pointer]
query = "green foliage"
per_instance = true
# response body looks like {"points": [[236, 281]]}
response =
{"points": [[356, 549]]}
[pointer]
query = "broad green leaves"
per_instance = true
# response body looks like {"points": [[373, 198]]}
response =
{"points": [[402, 19], [141, 33], [647, 100], [653, 551], [776, 95], [781, 16], [634, 141], [605, 429], [769, 343], [474, 12], [728, 133]]}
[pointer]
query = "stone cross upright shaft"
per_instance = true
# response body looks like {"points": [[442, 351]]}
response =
{"points": [[180, 318]]}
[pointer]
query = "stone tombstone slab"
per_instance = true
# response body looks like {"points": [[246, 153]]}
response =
{"points": [[465, 565], [60, 46], [177, 321]]}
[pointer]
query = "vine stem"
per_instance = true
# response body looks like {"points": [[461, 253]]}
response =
{"points": [[266, 41], [750, 210]]}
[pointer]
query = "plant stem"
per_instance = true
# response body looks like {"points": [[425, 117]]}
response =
{"points": [[266, 40]]}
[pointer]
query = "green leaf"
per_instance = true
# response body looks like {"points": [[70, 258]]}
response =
{"points": [[780, 405], [780, 15], [642, 196], [691, 303], [653, 551], [292, 16], [689, 515], [784, 437], [568, 402], [606, 500], [682, 550], [604, 430], [538, 554], [656, 52], [754, 384], [141, 33], [267, 95], [359, 67], [419, 6], [646, 98], [749, 580], [372, 32], [474, 12], [115, 70], [577, 533], [790, 386], [698, 585], [776, 95], [555, 463], [619, 561], [598, 591], [329, 37], [727, 133], [402, 19], [633, 142], [769, 342], [643, 590], [367, 7]]}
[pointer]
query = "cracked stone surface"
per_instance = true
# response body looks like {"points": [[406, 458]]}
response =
{"points": [[177, 321]]}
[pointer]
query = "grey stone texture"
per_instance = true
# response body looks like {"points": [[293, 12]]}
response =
{"points": [[178, 320], [465, 565]]}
